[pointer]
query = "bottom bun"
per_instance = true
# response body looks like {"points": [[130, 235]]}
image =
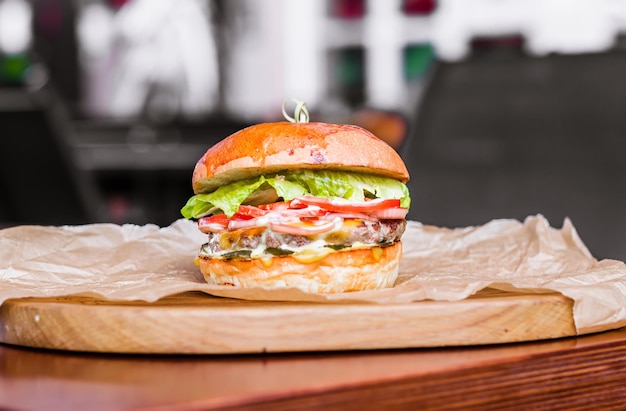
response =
{"points": [[340, 271]]}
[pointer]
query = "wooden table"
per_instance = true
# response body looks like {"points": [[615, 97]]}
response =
{"points": [[579, 373]]}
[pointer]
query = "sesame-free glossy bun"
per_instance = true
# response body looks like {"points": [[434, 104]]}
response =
{"points": [[341, 271], [271, 147]]}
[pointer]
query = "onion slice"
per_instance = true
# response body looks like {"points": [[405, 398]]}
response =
{"points": [[303, 228]]}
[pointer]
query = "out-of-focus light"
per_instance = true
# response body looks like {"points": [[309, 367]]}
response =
{"points": [[95, 29], [117, 4], [347, 9], [15, 26], [418, 58], [349, 74], [14, 68], [418, 7]]}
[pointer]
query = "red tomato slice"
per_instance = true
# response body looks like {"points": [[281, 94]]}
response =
{"points": [[213, 224], [339, 205], [281, 205], [247, 212]]}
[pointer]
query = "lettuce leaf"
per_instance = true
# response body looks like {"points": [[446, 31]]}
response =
{"points": [[323, 183]]}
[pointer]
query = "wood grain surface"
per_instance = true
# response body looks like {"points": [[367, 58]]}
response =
{"points": [[195, 323], [575, 374]]}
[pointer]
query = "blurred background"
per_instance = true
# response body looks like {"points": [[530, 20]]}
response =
{"points": [[500, 108]]}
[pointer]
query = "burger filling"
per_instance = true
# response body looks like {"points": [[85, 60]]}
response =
{"points": [[301, 213], [264, 242]]}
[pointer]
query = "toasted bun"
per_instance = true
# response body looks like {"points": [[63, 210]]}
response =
{"points": [[272, 147], [342, 271]]}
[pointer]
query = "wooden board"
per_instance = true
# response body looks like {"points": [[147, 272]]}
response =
{"points": [[196, 323]]}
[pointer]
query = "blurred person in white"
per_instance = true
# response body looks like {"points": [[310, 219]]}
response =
{"points": [[153, 57]]}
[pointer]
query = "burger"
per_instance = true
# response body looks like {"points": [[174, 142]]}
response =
{"points": [[315, 206]]}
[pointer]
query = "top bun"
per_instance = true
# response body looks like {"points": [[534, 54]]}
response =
{"points": [[273, 147]]}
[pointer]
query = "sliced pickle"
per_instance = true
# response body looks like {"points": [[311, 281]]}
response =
{"points": [[337, 247], [237, 254], [277, 251]]}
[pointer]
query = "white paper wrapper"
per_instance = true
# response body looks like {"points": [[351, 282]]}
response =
{"points": [[132, 262]]}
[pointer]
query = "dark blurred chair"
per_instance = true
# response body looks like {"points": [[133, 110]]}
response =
{"points": [[505, 135], [39, 180]]}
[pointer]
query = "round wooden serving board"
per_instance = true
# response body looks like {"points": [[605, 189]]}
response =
{"points": [[196, 323]]}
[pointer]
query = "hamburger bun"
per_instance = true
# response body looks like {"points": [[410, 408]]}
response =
{"points": [[343, 271], [272, 147]]}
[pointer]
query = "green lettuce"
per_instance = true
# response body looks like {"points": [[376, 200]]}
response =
{"points": [[287, 186]]}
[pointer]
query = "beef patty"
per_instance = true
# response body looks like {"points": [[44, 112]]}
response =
{"points": [[353, 231]]}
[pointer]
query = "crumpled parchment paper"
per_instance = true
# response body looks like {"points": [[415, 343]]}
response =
{"points": [[131, 262]]}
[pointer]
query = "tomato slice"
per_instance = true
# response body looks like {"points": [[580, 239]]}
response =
{"points": [[247, 212], [339, 205], [213, 224], [281, 205]]}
